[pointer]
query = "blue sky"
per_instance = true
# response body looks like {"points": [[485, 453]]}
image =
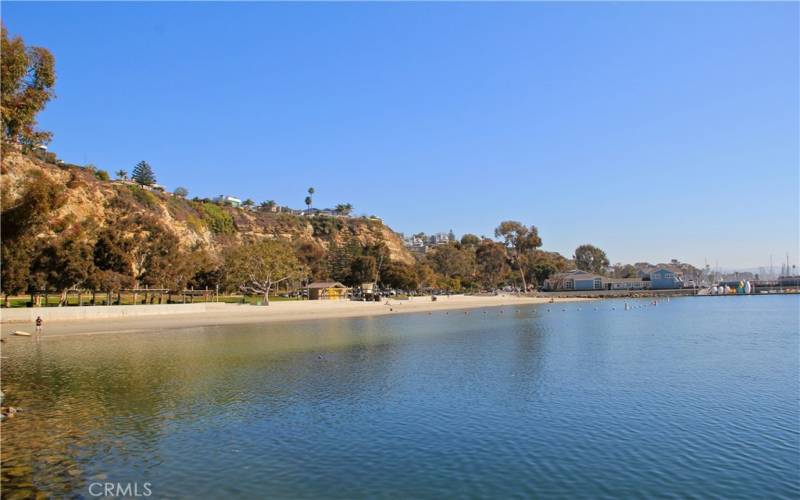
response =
{"points": [[655, 131]]}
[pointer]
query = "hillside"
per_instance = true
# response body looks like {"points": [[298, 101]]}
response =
{"points": [[91, 206]]}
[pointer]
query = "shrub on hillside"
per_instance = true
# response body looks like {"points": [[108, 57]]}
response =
{"points": [[143, 196], [217, 219], [325, 226], [194, 223]]}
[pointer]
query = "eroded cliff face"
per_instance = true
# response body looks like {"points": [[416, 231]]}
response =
{"points": [[95, 204]]}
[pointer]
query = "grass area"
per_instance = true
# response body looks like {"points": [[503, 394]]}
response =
{"points": [[253, 299], [128, 299]]}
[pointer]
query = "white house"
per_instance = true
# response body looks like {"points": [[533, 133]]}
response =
{"points": [[228, 200]]}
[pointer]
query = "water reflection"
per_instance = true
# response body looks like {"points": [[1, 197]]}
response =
{"points": [[518, 402]]}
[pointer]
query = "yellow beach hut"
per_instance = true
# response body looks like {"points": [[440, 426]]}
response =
{"points": [[327, 290]]}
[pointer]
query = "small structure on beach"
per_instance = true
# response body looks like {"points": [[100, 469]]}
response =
{"points": [[327, 290]]}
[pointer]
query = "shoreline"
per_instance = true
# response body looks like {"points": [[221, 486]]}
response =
{"points": [[234, 314]]}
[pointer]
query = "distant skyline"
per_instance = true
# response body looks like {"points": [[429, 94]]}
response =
{"points": [[652, 130]]}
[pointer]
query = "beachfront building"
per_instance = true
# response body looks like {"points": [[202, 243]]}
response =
{"points": [[574, 280], [228, 200], [626, 284], [664, 278], [327, 290]]}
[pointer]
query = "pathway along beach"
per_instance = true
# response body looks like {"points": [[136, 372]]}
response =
{"points": [[233, 314]]}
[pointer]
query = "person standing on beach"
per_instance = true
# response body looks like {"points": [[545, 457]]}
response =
{"points": [[39, 323]]}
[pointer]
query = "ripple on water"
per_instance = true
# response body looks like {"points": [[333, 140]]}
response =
{"points": [[690, 399]]}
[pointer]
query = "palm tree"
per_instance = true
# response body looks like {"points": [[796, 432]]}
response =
{"points": [[122, 174], [308, 198]]}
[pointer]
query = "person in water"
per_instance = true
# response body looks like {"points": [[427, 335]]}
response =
{"points": [[39, 323]]}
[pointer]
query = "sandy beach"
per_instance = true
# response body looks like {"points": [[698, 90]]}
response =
{"points": [[231, 314]]}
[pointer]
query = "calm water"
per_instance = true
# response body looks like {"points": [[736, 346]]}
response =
{"points": [[695, 397]]}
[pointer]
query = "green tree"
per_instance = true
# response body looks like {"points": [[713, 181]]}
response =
{"points": [[257, 267], [541, 265], [248, 203], [492, 262], [453, 262], [344, 208], [122, 174], [29, 212], [626, 271], [16, 268], [143, 174], [112, 258], [28, 77], [23, 218], [268, 205], [312, 256], [380, 252], [102, 175], [426, 276], [161, 263], [591, 259], [519, 240], [363, 269], [181, 192], [400, 276], [65, 264], [470, 240]]}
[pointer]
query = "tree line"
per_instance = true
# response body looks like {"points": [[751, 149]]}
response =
{"points": [[134, 249]]}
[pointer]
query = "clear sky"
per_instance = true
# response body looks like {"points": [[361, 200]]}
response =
{"points": [[655, 131]]}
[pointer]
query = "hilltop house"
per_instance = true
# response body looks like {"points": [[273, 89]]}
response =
{"points": [[228, 200], [439, 239]]}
